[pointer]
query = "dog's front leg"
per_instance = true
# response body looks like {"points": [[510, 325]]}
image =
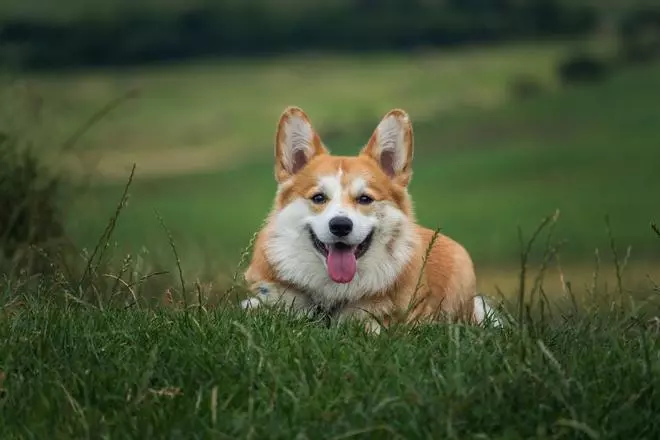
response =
{"points": [[363, 314], [274, 295]]}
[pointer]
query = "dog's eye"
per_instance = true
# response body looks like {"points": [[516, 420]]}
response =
{"points": [[318, 198], [364, 200]]}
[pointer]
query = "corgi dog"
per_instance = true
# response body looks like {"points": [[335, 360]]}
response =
{"points": [[342, 238]]}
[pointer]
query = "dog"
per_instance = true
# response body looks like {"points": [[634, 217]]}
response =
{"points": [[342, 238]]}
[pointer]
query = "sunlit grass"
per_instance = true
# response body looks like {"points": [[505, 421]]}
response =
{"points": [[231, 106]]}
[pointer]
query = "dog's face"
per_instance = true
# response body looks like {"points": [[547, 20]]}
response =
{"points": [[342, 225]]}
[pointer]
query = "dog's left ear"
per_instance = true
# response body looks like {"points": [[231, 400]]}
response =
{"points": [[296, 143], [391, 145]]}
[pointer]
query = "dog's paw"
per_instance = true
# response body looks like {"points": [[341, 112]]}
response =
{"points": [[372, 327], [485, 314], [273, 295], [250, 303], [262, 291], [364, 319]]}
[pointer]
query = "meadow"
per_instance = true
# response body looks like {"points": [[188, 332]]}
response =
{"points": [[486, 163], [579, 358], [77, 371]]}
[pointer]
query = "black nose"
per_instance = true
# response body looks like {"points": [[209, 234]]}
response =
{"points": [[340, 226]]}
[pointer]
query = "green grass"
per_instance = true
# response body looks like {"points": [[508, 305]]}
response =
{"points": [[75, 371], [232, 105], [202, 134], [85, 360], [587, 151]]}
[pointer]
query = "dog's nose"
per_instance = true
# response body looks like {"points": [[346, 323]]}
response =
{"points": [[340, 226]]}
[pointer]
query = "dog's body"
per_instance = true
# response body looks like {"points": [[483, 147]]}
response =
{"points": [[342, 235]]}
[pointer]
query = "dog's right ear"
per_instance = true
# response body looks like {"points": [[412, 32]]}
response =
{"points": [[296, 143]]}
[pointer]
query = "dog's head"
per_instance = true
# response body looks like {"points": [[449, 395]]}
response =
{"points": [[337, 217]]}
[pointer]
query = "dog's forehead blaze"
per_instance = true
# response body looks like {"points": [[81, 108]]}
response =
{"points": [[353, 174]]}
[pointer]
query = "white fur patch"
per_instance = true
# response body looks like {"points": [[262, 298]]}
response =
{"points": [[358, 186], [251, 303], [484, 313], [331, 186], [273, 295]]}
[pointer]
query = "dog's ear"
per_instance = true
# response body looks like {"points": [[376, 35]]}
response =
{"points": [[391, 145], [296, 143]]}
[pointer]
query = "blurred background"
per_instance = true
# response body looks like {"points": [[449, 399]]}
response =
{"points": [[520, 108]]}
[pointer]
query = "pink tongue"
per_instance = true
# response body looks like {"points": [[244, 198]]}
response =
{"points": [[342, 264]]}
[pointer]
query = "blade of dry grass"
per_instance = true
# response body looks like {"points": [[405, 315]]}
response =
{"points": [[615, 256], [177, 259], [104, 240]]}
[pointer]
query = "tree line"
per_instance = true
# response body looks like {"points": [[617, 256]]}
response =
{"points": [[139, 35]]}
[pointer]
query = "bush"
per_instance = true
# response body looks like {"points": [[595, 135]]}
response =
{"points": [[582, 67], [639, 35], [30, 218], [118, 35]]}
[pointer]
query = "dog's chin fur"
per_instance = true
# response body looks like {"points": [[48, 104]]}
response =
{"points": [[292, 254]]}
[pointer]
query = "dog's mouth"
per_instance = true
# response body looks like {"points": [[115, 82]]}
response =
{"points": [[324, 249], [341, 258]]}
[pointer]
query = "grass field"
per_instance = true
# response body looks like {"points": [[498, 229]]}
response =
{"points": [[227, 109], [201, 136], [76, 371], [480, 171], [91, 359]]}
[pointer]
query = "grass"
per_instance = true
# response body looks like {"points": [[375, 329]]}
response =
{"points": [[76, 362], [478, 174], [228, 109], [201, 136], [92, 356], [77, 365], [69, 369]]}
